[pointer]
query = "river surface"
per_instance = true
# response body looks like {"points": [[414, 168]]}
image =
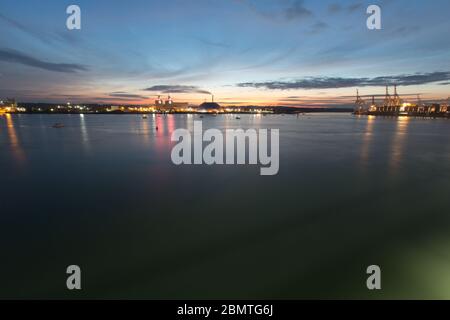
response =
{"points": [[103, 193]]}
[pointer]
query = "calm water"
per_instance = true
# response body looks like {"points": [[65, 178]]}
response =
{"points": [[103, 193]]}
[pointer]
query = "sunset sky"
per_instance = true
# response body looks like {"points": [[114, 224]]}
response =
{"points": [[277, 52]]}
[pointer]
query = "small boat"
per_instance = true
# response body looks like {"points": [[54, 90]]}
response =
{"points": [[58, 125], [144, 116], [238, 118], [201, 117]]}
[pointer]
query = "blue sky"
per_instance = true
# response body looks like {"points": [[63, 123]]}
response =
{"points": [[283, 52]]}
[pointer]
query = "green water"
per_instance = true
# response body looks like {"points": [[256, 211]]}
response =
{"points": [[102, 193]]}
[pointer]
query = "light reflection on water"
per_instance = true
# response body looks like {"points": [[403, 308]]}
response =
{"points": [[14, 141], [102, 191], [84, 133], [366, 142], [398, 144]]}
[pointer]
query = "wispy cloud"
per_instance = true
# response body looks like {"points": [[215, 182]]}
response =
{"points": [[107, 100], [294, 10], [297, 11], [19, 26], [334, 8], [13, 56], [46, 37], [404, 31], [355, 6], [338, 7], [319, 27], [339, 82], [177, 89], [121, 94], [211, 43]]}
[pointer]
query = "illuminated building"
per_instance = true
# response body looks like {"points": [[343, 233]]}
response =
{"points": [[8, 105], [445, 106], [209, 107], [114, 109], [171, 106]]}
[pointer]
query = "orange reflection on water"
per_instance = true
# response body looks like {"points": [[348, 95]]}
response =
{"points": [[398, 144], [146, 131], [163, 125], [367, 140], [16, 148], [159, 126], [170, 124]]}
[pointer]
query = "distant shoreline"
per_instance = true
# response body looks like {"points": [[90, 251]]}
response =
{"points": [[102, 109], [410, 115], [173, 113]]}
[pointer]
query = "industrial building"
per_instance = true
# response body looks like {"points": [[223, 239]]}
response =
{"points": [[8, 105], [170, 106], [394, 105]]}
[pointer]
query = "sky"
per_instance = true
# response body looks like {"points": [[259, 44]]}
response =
{"points": [[245, 52]]}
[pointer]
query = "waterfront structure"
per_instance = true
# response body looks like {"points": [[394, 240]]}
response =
{"points": [[396, 101], [445, 106], [360, 105], [210, 107], [114, 109], [8, 105], [177, 107], [394, 105], [170, 106], [387, 103], [158, 102]]}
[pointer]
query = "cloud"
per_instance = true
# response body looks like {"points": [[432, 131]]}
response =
{"points": [[318, 27], [355, 6], [297, 11], [107, 100], [339, 82], [14, 56], [38, 33], [334, 8], [121, 94], [210, 43], [17, 25], [177, 89], [404, 31]]}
